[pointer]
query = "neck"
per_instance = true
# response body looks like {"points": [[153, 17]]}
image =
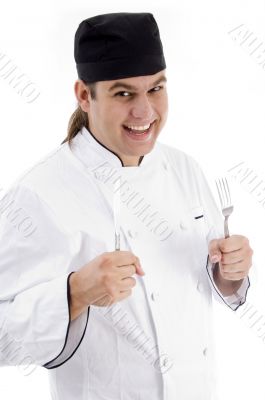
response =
{"points": [[132, 162], [127, 162]]}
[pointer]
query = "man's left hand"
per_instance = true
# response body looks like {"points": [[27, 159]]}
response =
{"points": [[234, 256]]}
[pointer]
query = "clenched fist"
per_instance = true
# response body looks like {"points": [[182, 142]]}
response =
{"points": [[103, 281], [233, 258], [234, 255]]}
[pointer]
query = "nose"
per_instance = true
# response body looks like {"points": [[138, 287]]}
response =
{"points": [[142, 108]]}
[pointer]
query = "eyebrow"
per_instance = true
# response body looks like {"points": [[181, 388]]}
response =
{"points": [[119, 85]]}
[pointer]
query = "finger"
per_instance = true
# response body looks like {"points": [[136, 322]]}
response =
{"points": [[242, 266], [139, 269], [234, 275], [127, 283], [126, 271], [233, 257], [214, 251], [233, 243], [123, 257], [243, 256], [237, 276], [127, 258]]}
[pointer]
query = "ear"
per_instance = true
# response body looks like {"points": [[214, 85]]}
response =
{"points": [[82, 94]]}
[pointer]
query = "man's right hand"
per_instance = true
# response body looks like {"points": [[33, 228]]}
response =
{"points": [[103, 281]]}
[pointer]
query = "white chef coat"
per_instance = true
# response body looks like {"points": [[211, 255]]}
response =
{"points": [[57, 216]]}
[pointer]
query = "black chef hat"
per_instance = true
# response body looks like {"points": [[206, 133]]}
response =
{"points": [[118, 45]]}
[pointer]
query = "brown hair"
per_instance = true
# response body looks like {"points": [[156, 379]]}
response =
{"points": [[79, 118]]}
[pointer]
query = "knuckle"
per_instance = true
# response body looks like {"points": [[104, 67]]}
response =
{"points": [[223, 247], [133, 270], [106, 259], [223, 259], [245, 240], [137, 259]]}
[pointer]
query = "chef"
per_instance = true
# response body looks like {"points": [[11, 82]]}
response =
{"points": [[112, 246]]}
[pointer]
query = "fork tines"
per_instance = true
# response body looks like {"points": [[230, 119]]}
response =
{"points": [[223, 192]]}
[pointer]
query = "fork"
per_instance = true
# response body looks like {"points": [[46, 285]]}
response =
{"points": [[117, 212], [225, 200]]}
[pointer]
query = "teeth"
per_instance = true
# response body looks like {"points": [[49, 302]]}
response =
{"points": [[138, 128]]}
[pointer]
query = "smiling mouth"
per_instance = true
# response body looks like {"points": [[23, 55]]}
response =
{"points": [[138, 130]]}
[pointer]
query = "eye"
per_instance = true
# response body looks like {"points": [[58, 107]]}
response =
{"points": [[122, 94], [156, 89]]}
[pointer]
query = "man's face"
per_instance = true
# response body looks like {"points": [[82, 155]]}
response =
{"points": [[128, 114]]}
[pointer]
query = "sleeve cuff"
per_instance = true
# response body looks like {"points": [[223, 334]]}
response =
{"points": [[233, 301], [75, 333]]}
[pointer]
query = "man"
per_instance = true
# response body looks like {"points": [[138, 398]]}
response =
{"points": [[131, 321]]}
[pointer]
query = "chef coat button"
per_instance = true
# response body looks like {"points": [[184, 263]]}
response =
{"points": [[182, 225], [165, 165], [200, 287], [165, 362], [205, 351], [154, 296], [132, 234]]}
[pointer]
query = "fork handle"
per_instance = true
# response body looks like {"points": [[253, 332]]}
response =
{"points": [[117, 241], [226, 228]]}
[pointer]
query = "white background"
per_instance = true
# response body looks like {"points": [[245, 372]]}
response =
{"points": [[216, 94]]}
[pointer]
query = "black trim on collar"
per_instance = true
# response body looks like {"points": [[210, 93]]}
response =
{"points": [[67, 332], [113, 152]]}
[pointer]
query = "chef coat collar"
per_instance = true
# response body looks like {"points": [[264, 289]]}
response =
{"points": [[93, 152]]}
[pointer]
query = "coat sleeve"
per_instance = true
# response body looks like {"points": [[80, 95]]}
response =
{"points": [[37, 258], [215, 230]]}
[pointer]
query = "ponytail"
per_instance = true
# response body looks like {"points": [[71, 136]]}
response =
{"points": [[79, 118]]}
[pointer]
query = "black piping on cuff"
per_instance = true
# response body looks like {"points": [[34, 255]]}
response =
{"points": [[241, 302], [67, 332]]}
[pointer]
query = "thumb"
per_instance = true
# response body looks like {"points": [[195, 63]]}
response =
{"points": [[214, 251], [139, 269]]}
